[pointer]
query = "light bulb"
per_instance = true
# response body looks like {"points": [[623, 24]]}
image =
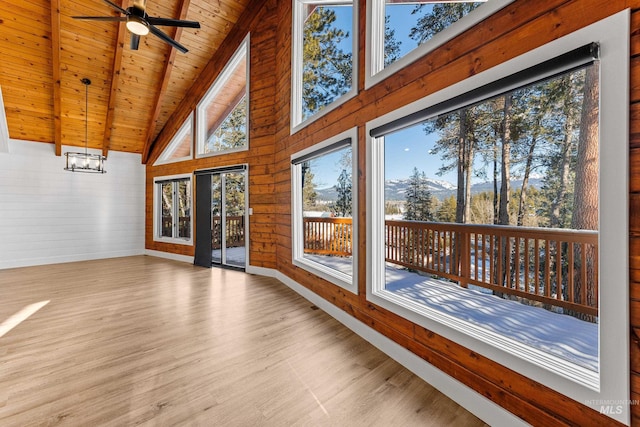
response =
{"points": [[137, 26]]}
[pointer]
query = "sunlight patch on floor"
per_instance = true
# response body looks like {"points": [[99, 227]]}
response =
{"points": [[20, 317]]}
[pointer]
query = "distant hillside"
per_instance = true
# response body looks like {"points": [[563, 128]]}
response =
{"points": [[396, 189]]}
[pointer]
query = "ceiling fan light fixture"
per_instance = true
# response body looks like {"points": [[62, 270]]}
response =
{"points": [[137, 25]]}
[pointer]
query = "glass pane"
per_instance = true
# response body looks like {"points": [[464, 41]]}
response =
{"points": [[327, 58], [235, 210], [184, 208], [221, 116], [180, 146], [491, 215], [327, 205], [166, 191], [216, 223], [408, 24], [231, 133]]}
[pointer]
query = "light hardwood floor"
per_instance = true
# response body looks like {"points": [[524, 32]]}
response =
{"points": [[146, 341]]}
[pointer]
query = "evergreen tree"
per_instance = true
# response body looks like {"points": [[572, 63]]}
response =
{"points": [[565, 93], [235, 194], [309, 195], [344, 203], [457, 145], [232, 132], [391, 44], [447, 210], [326, 68], [418, 198], [440, 16]]}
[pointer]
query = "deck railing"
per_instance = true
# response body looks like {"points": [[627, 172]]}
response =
{"points": [[184, 226], [549, 267], [234, 232], [327, 236]]}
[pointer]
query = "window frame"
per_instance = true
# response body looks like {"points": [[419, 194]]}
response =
{"points": [[338, 278], [297, 122], [374, 54], [611, 383], [157, 209], [241, 53], [174, 144]]}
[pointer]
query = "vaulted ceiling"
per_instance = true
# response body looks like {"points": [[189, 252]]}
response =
{"points": [[46, 53]]}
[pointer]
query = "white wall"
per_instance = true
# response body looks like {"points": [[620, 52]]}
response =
{"points": [[49, 215]]}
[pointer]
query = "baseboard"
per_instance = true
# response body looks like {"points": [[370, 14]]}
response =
{"points": [[168, 255], [33, 262], [480, 406]]}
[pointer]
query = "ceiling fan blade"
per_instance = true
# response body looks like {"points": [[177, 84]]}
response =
{"points": [[135, 41], [172, 22], [167, 39], [102, 18], [116, 7]]}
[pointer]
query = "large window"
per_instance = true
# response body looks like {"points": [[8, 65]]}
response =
{"points": [[172, 209], [400, 31], [324, 60], [324, 226], [492, 212], [222, 115]]}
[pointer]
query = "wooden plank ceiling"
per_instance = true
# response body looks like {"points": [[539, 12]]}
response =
{"points": [[46, 53]]}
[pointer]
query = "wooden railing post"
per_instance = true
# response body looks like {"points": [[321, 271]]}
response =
{"points": [[464, 266]]}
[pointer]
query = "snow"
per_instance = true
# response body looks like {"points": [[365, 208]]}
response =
{"points": [[561, 335], [564, 336]]}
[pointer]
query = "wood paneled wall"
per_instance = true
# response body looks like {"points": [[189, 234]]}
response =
{"points": [[520, 27], [259, 21]]}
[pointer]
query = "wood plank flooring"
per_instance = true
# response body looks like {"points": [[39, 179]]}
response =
{"points": [[147, 341]]}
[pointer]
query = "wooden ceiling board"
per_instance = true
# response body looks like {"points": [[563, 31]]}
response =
{"points": [[143, 90], [25, 70]]}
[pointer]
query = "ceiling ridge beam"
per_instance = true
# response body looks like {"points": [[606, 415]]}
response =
{"points": [[55, 62], [115, 81], [166, 74]]}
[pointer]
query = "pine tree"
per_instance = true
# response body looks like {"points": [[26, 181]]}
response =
{"points": [[391, 44], [309, 195], [326, 68], [447, 210], [440, 17], [344, 203], [232, 132], [418, 198]]}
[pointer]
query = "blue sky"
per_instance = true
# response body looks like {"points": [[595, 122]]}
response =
{"points": [[405, 149]]}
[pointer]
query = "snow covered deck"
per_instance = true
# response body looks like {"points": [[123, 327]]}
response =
{"points": [[561, 335]]}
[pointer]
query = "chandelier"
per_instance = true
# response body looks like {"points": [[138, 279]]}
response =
{"points": [[85, 162]]}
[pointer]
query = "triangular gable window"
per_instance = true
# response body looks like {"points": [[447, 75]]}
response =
{"points": [[179, 149]]}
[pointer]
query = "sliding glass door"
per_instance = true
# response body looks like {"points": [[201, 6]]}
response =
{"points": [[228, 200], [221, 222]]}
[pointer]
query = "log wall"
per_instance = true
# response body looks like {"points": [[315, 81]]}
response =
{"points": [[520, 27], [259, 20]]}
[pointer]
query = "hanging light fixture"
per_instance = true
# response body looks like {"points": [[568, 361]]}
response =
{"points": [[85, 162]]}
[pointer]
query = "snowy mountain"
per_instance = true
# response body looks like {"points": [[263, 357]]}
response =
{"points": [[396, 189]]}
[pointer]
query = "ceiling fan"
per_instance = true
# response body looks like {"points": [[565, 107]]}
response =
{"points": [[141, 24]]}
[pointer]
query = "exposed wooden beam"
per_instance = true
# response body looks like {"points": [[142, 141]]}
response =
{"points": [[166, 74], [55, 61], [115, 79]]}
